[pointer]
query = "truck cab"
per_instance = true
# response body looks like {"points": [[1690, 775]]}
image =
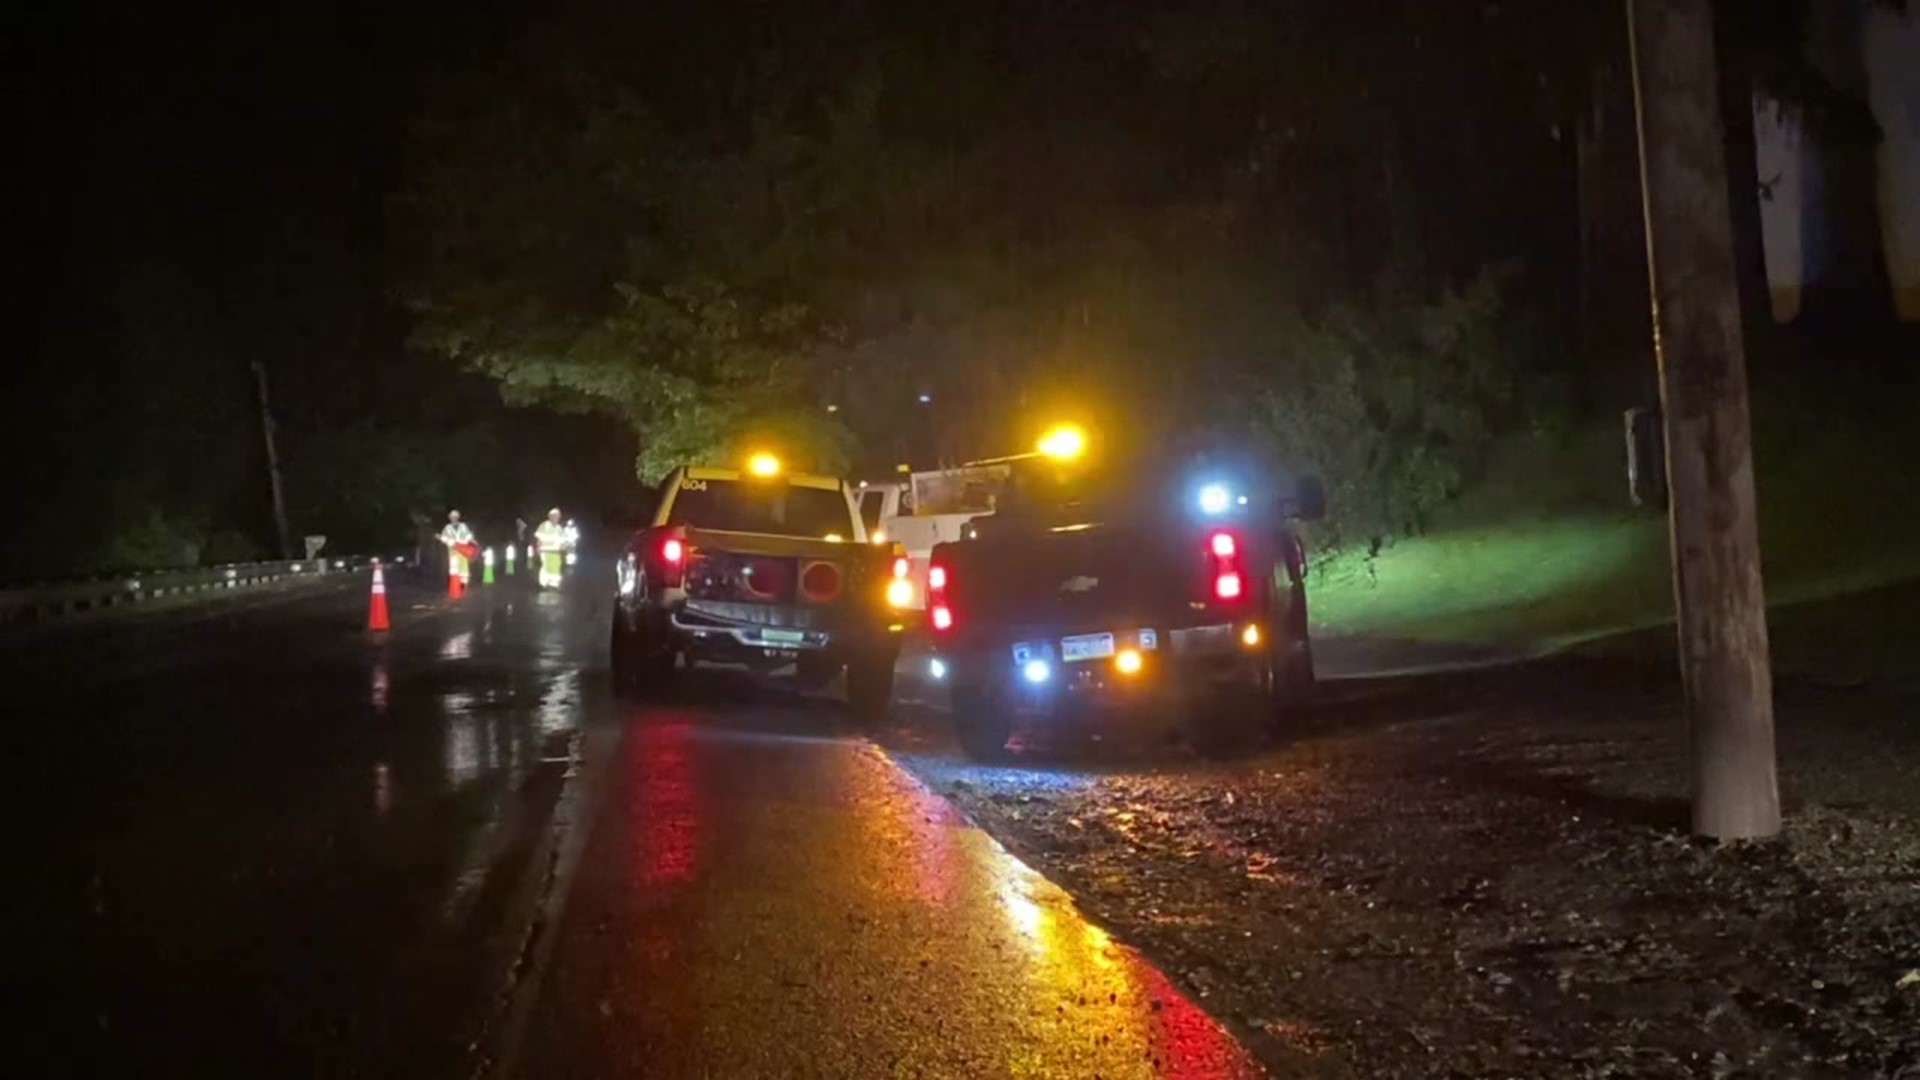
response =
{"points": [[1159, 593], [937, 506], [763, 569]]}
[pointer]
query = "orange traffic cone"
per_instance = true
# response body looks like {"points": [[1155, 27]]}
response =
{"points": [[377, 609]]}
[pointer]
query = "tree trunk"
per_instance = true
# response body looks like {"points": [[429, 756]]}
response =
{"points": [[1696, 312]]}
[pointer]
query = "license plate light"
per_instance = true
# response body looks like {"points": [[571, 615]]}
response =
{"points": [[1086, 647]]}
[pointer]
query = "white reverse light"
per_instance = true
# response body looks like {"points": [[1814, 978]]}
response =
{"points": [[1214, 499], [1037, 671], [937, 668]]}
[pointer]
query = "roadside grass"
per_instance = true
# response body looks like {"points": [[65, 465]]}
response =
{"points": [[1545, 554]]}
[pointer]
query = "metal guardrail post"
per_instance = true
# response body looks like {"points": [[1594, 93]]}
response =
{"points": [[53, 600]]}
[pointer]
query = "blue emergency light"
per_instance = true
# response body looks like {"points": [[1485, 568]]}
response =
{"points": [[1215, 499]]}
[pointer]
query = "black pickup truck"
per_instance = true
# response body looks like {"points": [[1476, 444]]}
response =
{"points": [[764, 571], [1164, 595]]}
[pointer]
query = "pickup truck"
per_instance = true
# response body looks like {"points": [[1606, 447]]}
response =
{"points": [[929, 507], [762, 569], [1170, 596]]}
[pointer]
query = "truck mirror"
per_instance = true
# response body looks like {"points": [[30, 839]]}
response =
{"points": [[1309, 498]]}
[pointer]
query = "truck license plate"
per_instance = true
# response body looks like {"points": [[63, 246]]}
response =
{"points": [[1086, 647], [793, 637]]}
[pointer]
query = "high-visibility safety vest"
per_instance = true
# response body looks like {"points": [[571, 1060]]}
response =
{"points": [[551, 536]]}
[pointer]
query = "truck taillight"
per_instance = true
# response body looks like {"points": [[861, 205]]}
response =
{"points": [[667, 560], [1228, 581], [938, 611], [901, 567]]}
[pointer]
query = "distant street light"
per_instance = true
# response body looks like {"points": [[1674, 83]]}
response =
{"points": [[926, 399]]}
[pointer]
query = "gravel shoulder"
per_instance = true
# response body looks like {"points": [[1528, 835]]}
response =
{"points": [[1486, 872]]}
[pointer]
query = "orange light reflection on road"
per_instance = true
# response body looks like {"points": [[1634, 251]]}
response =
{"points": [[1075, 960], [911, 829]]}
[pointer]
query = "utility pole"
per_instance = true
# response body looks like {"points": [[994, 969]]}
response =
{"points": [[273, 460], [1724, 663]]}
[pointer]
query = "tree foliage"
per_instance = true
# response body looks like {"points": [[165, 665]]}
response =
{"points": [[560, 242], [1395, 409], [796, 234]]}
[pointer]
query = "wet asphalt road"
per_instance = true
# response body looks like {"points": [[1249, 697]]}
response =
{"points": [[762, 899], [264, 844], [270, 845]]}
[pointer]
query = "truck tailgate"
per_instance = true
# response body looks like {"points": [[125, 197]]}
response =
{"points": [[750, 568], [1088, 578]]}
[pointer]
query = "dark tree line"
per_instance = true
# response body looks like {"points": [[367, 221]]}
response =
{"points": [[713, 223]]}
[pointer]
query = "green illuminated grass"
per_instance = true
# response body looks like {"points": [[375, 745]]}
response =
{"points": [[1847, 615], [1544, 556], [1533, 584]]}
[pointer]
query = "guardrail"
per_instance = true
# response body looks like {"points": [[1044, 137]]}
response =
{"points": [[55, 600]]}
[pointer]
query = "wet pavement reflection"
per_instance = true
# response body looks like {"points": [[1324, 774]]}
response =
{"points": [[279, 841], [760, 898], [280, 846]]}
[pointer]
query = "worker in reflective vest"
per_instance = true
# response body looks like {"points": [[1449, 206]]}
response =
{"points": [[553, 541], [460, 547]]}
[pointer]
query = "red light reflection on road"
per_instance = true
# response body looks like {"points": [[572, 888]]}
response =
{"points": [[1189, 1043], [668, 799]]}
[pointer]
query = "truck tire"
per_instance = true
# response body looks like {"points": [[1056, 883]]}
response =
{"points": [[1294, 683], [642, 669], [870, 688], [981, 723], [1230, 723], [814, 670], [620, 658]]}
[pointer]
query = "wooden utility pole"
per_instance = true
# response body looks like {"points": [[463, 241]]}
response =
{"points": [[273, 461], [1724, 663]]}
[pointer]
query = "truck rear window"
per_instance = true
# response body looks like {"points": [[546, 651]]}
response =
{"points": [[758, 506]]}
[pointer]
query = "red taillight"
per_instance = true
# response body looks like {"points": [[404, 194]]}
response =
{"points": [[938, 612], [665, 558], [1228, 582]]}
